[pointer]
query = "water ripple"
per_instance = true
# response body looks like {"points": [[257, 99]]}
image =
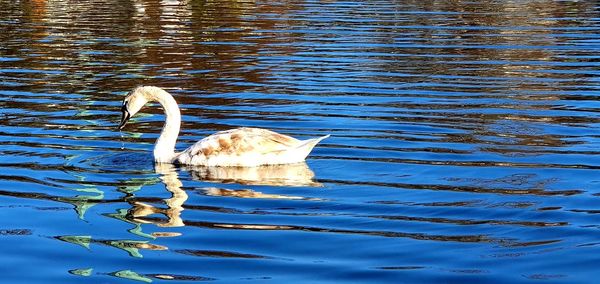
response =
{"points": [[464, 141]]}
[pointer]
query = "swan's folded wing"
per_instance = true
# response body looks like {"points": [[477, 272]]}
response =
{"points": [[242, 141]]}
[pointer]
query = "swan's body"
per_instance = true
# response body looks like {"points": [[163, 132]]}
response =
{"points": [[246, 147]]}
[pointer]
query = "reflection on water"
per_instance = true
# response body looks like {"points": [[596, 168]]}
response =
{"points": [[275, 175], [174, 204], [464, 144], [278, 175], [245, 193]]}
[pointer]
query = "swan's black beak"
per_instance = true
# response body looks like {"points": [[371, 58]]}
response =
{"points": [[124, 116]]}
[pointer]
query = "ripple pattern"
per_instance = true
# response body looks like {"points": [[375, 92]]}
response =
{"points": [[464, 143]]}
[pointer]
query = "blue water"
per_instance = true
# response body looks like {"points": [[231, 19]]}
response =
{"points": [[464, 141]]}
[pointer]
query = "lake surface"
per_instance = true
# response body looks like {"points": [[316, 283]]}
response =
{"points": [[465, 141]]}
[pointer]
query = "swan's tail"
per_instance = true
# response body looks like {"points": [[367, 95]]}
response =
{"points": [[306, 146]]}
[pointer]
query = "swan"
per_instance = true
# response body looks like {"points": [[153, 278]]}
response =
{"points": [[241, 147]]}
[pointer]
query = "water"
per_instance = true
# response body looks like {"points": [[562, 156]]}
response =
{"points": [[464, 145]]}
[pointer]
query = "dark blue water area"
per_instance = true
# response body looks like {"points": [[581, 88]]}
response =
{"points": [[463, 147]]}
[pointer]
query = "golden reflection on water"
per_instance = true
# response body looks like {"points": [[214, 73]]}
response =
{"points": [[167, 44]]}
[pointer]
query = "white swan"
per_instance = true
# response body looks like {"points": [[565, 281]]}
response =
{"points": [[245, 147]]}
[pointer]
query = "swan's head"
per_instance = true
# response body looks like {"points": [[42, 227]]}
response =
{"points": [[134, 101]]}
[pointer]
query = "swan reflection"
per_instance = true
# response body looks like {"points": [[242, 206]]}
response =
{"points": [[246, 193], [141, 210], [168, 175], [298, 174], [279, 175]]}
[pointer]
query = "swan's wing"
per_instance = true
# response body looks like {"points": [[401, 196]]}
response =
{"points": [[247, 147], [242, 141]]}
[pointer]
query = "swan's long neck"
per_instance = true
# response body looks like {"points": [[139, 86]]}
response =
{"points": [[164, 149]]}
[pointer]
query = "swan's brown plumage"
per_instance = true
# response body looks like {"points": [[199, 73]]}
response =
{"points": [[247, 147], [242, 140]]}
